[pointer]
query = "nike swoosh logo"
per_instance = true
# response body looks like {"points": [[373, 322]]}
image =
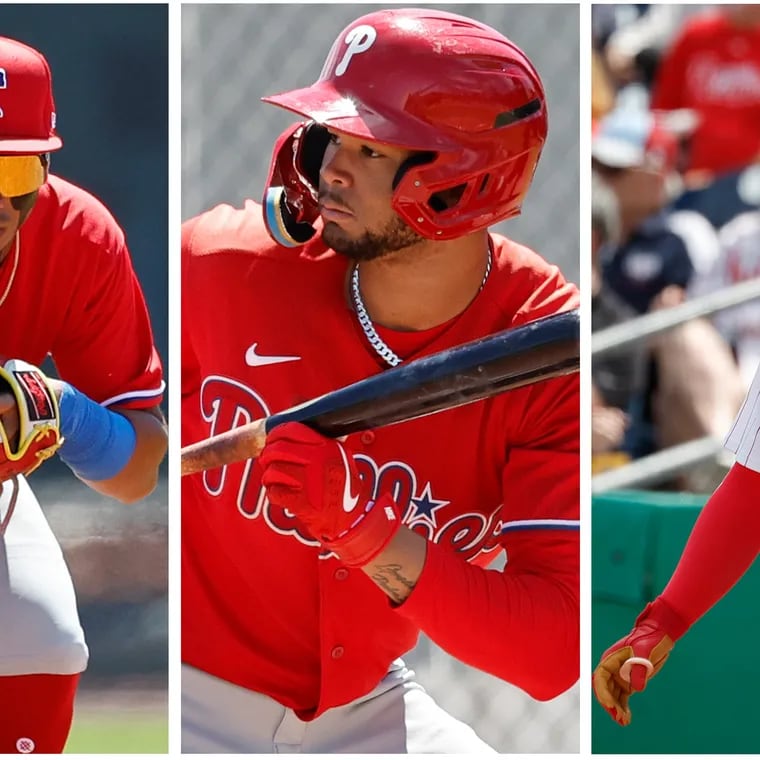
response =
{"points": [[349, 501], [252, 359]]}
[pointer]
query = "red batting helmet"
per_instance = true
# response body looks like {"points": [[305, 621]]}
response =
{"points": [[445, 85]]}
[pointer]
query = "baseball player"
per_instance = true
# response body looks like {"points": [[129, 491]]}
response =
{"points": [[723, 544], [67, 289], [310, 571]]}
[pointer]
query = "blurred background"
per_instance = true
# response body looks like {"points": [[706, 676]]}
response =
{"points": [[110, 81], [232, 55], [676, 340]]}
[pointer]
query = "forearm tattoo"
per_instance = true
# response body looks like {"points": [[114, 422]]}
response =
{"points": [[391, 579]]}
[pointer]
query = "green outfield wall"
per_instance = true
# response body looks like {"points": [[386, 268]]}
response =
{"points": [[705, 700]]}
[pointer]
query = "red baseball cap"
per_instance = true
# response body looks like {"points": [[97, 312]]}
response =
{"points": [[27, 109]]}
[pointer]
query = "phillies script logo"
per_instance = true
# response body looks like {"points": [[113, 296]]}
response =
{"points": [[226, 403], [730, 82]]}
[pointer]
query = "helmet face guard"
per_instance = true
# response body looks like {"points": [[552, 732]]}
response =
{"points": [[493, 178], [453, 89]]}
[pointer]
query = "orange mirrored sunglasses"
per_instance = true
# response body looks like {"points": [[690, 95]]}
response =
{"points": [[20, 175]]}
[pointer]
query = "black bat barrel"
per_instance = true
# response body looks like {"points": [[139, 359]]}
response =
{"points": [[538, 350]]}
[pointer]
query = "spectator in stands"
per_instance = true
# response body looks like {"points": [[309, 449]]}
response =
{"points": [[616, 377], [725, 197], [693, 384], [713, 67], [636, 155]]}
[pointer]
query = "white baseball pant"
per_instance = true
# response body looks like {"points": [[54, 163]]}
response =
{"points": [[39, 623], [397, 717]]}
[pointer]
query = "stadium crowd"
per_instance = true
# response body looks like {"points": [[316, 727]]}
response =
{"points": [[675, 215]]}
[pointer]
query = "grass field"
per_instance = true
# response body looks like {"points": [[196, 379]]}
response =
{"points": [[119, 734], [119, 722]]}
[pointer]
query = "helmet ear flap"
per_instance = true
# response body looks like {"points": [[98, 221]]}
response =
{"points": [[290, 201]]}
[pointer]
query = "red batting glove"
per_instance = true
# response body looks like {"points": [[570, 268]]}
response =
{"points": [[315, 478], [628, 664]]}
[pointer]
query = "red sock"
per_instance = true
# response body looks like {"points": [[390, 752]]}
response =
{"points": [[36, 712], [723, 543]]}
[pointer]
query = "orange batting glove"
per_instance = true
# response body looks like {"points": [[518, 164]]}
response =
{"points": [[628, 664]]}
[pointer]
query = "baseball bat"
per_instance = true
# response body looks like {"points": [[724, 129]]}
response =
{"points": [[482, 368]]}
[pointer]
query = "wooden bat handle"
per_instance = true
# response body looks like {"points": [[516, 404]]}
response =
{"points": [[244, 442]]}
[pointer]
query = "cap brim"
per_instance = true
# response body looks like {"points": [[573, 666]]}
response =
{"points": [[323, 104], [28, 147], [616, 154]]}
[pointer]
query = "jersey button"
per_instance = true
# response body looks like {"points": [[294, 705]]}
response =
{"points": [[341, 574], [367, 437], [337, 653]]}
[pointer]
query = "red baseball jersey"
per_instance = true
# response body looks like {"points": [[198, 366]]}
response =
{"points": [[70, 291], [713, 67], [264, 607]]}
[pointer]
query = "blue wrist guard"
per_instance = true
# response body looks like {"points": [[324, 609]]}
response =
{"points": [[97, 443]]}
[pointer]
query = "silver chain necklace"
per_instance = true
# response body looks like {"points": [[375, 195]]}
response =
{"points": [[13, 270], [382, 349]]}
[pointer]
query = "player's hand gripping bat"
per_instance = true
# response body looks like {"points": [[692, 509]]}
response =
{"points": [[536, 351]]}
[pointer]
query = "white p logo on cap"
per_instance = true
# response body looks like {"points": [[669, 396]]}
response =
{"points": [[359, 40]]}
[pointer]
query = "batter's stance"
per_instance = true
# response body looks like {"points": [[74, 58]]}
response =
{"points": [[67, 289], [308, 572], [723, 544]]}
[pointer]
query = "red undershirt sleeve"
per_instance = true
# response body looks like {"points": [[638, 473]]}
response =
{"points": [[724, 542], [520, 624]]}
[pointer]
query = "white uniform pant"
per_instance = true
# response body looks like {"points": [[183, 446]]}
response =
{"points": [[397, 717], [39, 623]]}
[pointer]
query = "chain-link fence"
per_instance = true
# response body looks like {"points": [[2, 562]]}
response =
{"points": [[232, 55]]}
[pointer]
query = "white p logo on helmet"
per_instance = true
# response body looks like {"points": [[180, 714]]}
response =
{"points": [[359, 40]]}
